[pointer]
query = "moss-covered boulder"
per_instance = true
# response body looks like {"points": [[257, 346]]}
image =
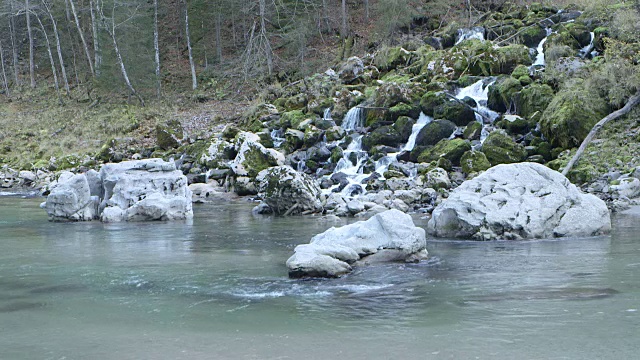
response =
{"points": [[431, 100], [473, 131], [404, 127], [534, 98], [253, 157], [169, 135], [511, 56], [451, 150], [474, 161], [391, 57], [454, 111], [292, 119], [502, 94], [402, 109], [532, 35], [216, 155], [435, 131], [520, 71], [294, 140], [384, 135], [571, 115], [515, 124], [500, 148]]}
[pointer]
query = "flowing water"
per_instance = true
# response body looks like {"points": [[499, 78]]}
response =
{"points": [[217, 288]]}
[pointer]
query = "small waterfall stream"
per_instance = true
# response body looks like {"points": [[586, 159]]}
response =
{"points": [[540, 60], [479, 92], [354, 119], [470, 34], [588, 50]]}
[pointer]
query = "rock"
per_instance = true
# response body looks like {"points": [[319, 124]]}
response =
{"points": [[451, 150], [351, 70], [571, 115], [503, 93], [474, 161], [202, 192], [253, 157], [454, 111], [170, 135], [396, 204], [27, 177], [288, 191], [218, 155], [384, 135], [144, 190], [534, 98], [519, 201], [332, 253], [628, 187], [70, 199], [437, 179], [434, 132], [500, 148], [355, 206], [431, 100], [473, 131]]}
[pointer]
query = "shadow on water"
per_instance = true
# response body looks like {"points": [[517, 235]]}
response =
{"points": [[21, 306], [541, 293]]}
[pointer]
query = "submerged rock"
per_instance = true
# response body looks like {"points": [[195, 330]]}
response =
{"points": [[128, 191], [388, 236], [519, 201]]}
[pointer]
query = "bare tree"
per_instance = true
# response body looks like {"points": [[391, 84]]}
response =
{"points": [[14, 45], [4, 74], [84, 42], [58, 47], [345, 28], [51, 61], [156, 46], [97, 52], [194, 79], [32, 70]]}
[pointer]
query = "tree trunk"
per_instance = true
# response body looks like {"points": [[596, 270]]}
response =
{"points": [[32, 69], [263, 30], [633, 101], [344, 19], [156, 47], [97, 52], [366, 10], [4, 74], [51, 61], [58, 48], [14, 46], [218, 41], [84, 42], [194, 79]]}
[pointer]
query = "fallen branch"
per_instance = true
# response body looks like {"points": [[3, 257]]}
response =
{"points": [[291, 209], [633, 101]]}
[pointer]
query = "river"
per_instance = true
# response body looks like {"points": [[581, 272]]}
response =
{"points": [[217, 288]]}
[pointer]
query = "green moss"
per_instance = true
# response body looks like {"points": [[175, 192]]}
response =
{"points": [[435, 131], [511, 56], [292, 119], [474, 161], [500, 148], [502, 93], [532, 36], [454, 111], [520, 71], [473, 131], [533, 98], [431, 100], [451, 150]]}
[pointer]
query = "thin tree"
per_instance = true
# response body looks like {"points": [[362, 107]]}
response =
{"points": [[58, 48], [84, 42], [32, 71], [97, 52], [14, 46], [156, 46], [345, 28], [51, 61], [194, 79], [111, 31], [4, 74]]}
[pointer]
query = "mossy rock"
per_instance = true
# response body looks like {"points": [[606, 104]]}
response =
{"points": [[169, 135], [473, 131], [514, 124], [392, 57], [373, 117], [435, 131], [296, 102], [501, 149], [535, 97], [511, 56], [294, 140], [451, 150], [336, 154], [312, 135], [520, 71], [404, 127], [532, 36], [334, 133], [474, 161], [561, 39], [431, 100], [571, 115], [503, 93], [384, 135], [454, 111], [402, 109], [107, 150], [292, 119], [579, 32]]}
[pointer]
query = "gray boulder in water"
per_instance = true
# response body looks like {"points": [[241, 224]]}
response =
{"points": [[128, 191], [519, 201], [388, 236], [287, 191]]}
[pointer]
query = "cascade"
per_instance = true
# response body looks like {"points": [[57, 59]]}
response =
{"points": [[354, 119], [423, 120], [588, 50], [327, 114], [277, 136], [479, 92], [540, 61]]}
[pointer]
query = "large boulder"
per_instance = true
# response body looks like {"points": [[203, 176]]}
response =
{"points": [[253, 157], [434, 132], [519, 201], [388, 236], [285, 190], [128, 191], [454, 111], [501, 149]]}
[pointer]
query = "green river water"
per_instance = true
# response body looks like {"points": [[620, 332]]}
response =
{"points": [[217, 288]]}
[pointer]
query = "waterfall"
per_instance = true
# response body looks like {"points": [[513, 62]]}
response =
{"points": [[327, 114], [469, 34], [277, 136], [423, 120], [354, 119], [540, 61], [587, 50], [479, 92]]}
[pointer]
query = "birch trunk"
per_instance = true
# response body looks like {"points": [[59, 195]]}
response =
{"points": [[14, 46], [32, 70], [97, 53], [4, 74], [58, 48], [263, 29], [156, 46], [366, 10], [84, 42], [194, 79], [51, 61]]}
